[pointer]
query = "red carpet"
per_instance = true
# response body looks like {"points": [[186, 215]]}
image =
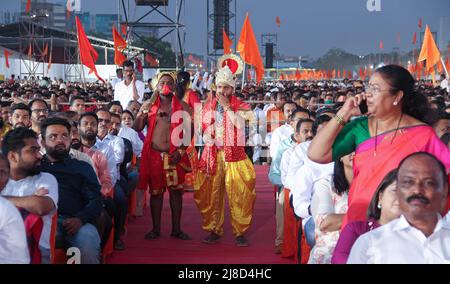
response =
{"points": [[167, 250]]}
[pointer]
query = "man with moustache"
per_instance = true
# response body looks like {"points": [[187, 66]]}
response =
{"points": [[5, 109], [22, 150], [115, 159], [420, 235], [164, 161], [20, 116], [133, 146], [80, 204], [303, 133], [100, 165], [103, 157], [130, 88], [224, 167], [39, 113]]}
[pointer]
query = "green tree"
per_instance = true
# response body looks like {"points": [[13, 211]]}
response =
{"points": [[166, 55]]}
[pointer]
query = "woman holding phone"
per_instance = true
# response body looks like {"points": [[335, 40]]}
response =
{"points": [[394, 127]]}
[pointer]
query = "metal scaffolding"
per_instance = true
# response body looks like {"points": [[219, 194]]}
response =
{"points": [[169, 24], [31, 45], [222, 18]]}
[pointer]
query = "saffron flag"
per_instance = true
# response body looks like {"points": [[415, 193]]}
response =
{"points": [[226, 43], [119, 45], [138, 63], [124, 28], [7, 54], [88, 55], [248, 48], [49, 65], [381, 45], [151, 60], [430, 51], [414, 38], [28, 6], [45, 51], [420, 23], [30, 51], [278, 21]]}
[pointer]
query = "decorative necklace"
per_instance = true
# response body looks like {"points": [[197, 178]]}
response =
{"points": [[393, 137]]}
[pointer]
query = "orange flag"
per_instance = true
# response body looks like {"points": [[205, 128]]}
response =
{"points": [[248, 48], [381, 45], [138, 63], [49, 61], [361, 74], [415, 38], [7, 54], [278, 21], [151, 60], [119, 45], [88, 55], [30, 51], [339, 73], [45, 51], [124, 28], [227, 42], [430, 51], [420, 23], [334, 74], [28, 6], [297, 75]]}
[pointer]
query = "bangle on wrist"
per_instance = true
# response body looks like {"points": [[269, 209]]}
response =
{"points": [[340, 120]]}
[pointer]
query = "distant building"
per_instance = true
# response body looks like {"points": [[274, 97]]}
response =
{"points": [[103, 24], [9, 17]]}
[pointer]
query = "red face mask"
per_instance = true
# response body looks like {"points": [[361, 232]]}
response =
{"points": [[166, 90]]}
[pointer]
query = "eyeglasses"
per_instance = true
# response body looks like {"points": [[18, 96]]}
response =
{"points": [[44, 110], [375, 90]]}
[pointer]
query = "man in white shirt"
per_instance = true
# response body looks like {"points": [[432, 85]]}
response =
{"points": [[284, 131], [116, 144], [118, 79], [130, 88], [420, 235], [13, 241], [22, 150]]}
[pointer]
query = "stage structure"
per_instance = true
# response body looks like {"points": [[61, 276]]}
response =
{"points": [[220, 14], [31, 46], [269, 44], [169, 25]]}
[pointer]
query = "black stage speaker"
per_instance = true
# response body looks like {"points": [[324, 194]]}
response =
{"points": [[221, 21], [269, 55]]}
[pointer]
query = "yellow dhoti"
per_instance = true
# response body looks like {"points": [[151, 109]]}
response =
{"points": [[238, 180]]}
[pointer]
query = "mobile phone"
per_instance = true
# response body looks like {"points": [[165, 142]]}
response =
{"points": [[363, 107]]}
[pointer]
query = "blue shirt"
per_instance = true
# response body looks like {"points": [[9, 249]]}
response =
{"points": [[78, 188], [275, 171]]}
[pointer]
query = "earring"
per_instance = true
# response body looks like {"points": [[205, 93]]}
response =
{"points": [[379, 205], [395, 103]]}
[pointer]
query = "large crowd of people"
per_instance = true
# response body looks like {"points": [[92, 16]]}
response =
{"points": [[360, 168]]}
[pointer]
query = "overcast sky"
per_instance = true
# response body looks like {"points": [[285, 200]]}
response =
{"points": [[308, 27]]}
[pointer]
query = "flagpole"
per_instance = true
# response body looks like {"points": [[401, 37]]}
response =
{"points": [[243, 77], [83, 79], [445, 68]]}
